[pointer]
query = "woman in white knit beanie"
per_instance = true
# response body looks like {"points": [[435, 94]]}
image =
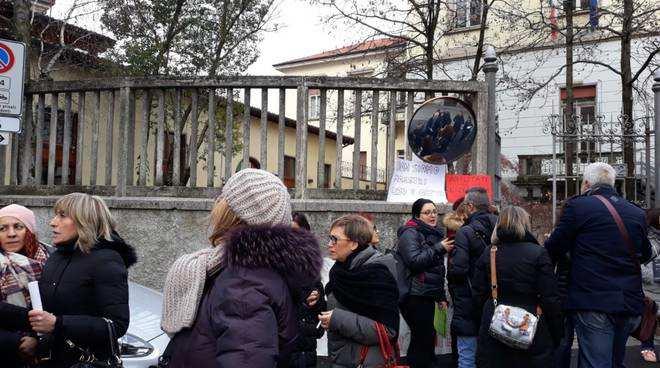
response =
{"points": [[234, 304]]}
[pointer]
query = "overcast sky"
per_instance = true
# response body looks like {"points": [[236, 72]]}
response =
{"points": [[301, 33]]}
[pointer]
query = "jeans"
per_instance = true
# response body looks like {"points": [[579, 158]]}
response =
{"points": [[418, 312], [563, 352], [467, 351], [602, 338]]}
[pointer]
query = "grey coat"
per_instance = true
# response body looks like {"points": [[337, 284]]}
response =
{"points": [[348, 331]]}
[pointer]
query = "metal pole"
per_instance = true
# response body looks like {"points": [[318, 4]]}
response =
{"points": [[554, 179], [647, 143], [656, 92]]}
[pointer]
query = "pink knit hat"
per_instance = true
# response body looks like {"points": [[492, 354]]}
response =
{"points": [[23, 214]]}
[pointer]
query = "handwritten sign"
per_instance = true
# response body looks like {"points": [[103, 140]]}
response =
{"points": [[412, 180], [456, 185]]}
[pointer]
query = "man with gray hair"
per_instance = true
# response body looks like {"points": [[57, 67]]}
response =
{"points": [[471, 240], [605, 298]]}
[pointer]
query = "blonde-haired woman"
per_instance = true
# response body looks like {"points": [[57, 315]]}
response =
{"points": [[234, 304], [524, 279], [84, 283]]}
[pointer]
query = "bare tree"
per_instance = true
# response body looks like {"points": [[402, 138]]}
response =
{"points": [[420, 23]]}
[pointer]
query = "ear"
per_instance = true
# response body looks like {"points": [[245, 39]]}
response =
{"points": [[354, 245]]}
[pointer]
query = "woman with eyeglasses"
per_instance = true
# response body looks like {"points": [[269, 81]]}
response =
{"points": [[420, 250], [361, 292]]}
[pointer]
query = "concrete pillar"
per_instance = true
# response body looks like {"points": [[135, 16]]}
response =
{"points": [[494, 150], [656, 92]]}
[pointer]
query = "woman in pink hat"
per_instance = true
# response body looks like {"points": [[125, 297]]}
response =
{"points": [[22, 258]]}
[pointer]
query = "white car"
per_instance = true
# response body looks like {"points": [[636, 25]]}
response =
{"points": [[144, 341]]}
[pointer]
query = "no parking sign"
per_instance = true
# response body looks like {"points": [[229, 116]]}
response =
{"points": [[12, 74]]}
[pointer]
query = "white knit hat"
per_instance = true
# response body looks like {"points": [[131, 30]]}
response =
{"points": [[258, 197]]}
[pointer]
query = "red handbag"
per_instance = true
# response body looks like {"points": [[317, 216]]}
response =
{"points": [[389, 352]]}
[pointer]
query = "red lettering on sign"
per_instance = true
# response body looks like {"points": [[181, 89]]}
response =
{"points": [[456, 185]]}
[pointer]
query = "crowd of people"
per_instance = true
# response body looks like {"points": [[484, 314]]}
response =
{"points": [[253, 297]]}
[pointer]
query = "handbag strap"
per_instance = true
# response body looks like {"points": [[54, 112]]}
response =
{"points": [[384, 345], [622, 229], [114, 354], [493, 274]]}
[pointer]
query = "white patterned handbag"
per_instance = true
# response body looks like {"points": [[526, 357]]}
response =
{"points": [[513, 326]]}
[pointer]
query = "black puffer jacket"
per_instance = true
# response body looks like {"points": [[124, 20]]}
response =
{"points": [[471, 240], [13, 326], [80, 290], [419, 249], [524, 279]]}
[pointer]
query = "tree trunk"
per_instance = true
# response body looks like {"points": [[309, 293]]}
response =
{"points": [[569, 147], [627, 87], [480, 44]]}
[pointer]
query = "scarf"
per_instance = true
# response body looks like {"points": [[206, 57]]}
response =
{"points": [[184, 286], [16, 271], [369, 290]]}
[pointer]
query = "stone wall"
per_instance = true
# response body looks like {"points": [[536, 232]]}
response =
{"points": [[162, 228]]}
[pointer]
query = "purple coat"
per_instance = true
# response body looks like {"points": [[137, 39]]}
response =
{"points": [[247, 316]]}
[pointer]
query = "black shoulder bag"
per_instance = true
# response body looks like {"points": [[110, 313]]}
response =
{"points": [[87, 358]]}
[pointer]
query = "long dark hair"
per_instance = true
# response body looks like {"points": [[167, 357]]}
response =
{"points": [[301, 220]]}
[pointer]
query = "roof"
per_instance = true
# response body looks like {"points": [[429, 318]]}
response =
{"points": [[48, 28], [291, 123], [358, 48]]}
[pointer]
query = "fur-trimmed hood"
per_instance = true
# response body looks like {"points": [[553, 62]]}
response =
{"points": [[119, 245], [452, 221], [293, 253]]}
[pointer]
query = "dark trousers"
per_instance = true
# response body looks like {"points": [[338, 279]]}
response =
{"points": [[418, 313], [563, 352]]}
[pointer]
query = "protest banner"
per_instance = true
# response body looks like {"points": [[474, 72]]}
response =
{"points": [[416, 179], [456, 185]]}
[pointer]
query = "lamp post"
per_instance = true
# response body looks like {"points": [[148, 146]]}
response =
{"points": [[656, 92], [493, 161]]}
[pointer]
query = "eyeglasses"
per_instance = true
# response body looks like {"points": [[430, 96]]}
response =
{"points": [[333, 239], [429, 213]]}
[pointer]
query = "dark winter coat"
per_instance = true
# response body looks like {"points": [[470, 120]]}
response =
{"points": [[13, 326], [524, 279], [604, 277], [470, 242], [419, 249], [81, 289], [308, 332], [247, 316], [349, 331]]}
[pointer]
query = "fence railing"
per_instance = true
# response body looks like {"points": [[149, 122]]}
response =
{"points": [[165, 132]]}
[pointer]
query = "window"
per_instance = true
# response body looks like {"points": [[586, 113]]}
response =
{"points": [[314, 104], [59, 146], [581, 4], [584, 110], [467, 13], [363, 165], [289, 172], [327, 170], [400, 154]]}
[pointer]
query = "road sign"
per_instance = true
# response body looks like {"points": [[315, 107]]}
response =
{"points": [[12, 74], [4, 139], [10, 124]]}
